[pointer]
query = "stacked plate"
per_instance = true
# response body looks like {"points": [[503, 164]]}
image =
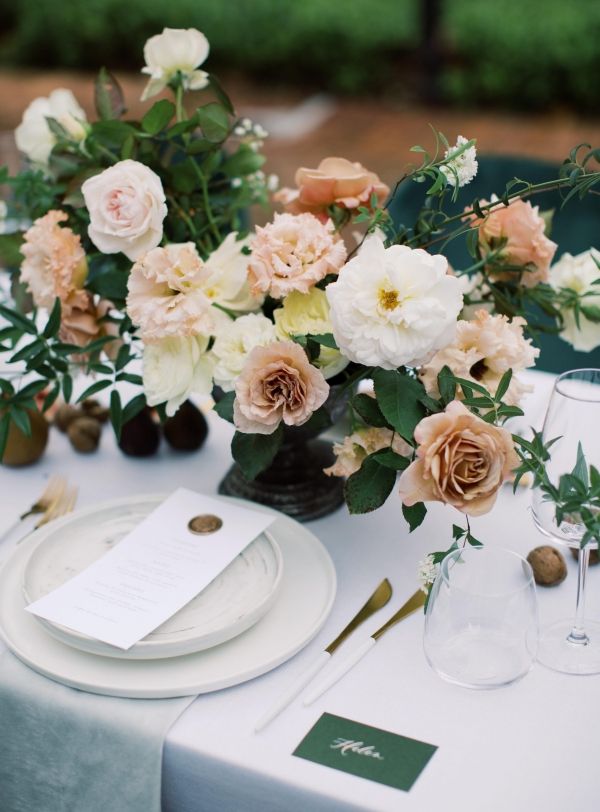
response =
{"points": [[263, 608]]}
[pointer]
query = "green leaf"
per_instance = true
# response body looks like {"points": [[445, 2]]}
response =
{"points": [[51, 397], [199, 145], [390, 459], [10, 249], [414, 515], [221, 95], [158, 116], [580, 470], [116, 413], [130, 377], [326, 339], [224, 407], [399, 398], [18, 320], [123, 357], [98, 386], [318, 421], [67, 387], [108, 96], [503, 385], [28, 351], [214, 121], [369, 410], [4, 427], [255, 452], [30, 390], [21, 420], [109, 285], [133, 408], [369, 487], [244, 162], [53, 323], [111, 132], [446, 384]]}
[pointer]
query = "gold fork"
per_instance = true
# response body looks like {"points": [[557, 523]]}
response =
{"points": [[60, 507]]}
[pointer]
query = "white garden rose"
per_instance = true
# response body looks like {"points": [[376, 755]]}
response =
{"points": [[127, 207], [176, 50], [33, 135], [225, 276], [233, 343], [174, 369], [394, 306], [579, 273]]}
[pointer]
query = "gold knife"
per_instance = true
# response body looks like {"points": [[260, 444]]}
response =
{"points": [[377, 601], [412, 604]]}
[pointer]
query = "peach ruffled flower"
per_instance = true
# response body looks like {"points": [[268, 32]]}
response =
{"points": [[336, 181], [461, 461], [165, 297], [351, 452], [482, 351], [55, 264], [84, 323], [277, 383], [527, 246], [294, 252]]}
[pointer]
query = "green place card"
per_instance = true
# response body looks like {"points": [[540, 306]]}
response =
{"points": [[365, 751]]}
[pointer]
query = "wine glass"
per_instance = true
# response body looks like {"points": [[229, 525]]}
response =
{"points": [[481, 624], [571, 646]]}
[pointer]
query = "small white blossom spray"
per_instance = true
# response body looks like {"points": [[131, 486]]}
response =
{"points": [[461, 169]]}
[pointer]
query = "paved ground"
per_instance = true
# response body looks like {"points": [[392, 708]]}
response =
{"points": [[305, 130]]}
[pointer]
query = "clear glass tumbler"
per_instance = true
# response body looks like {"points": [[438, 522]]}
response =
{"points": [[481, 625]]}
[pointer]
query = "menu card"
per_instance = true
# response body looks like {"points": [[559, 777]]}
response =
{"points": [[171, 556]]}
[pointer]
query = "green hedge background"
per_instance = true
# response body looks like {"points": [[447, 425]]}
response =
{"points": [[507, 53]]}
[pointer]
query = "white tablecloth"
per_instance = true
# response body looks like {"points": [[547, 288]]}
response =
{"points": [[530, 746]]}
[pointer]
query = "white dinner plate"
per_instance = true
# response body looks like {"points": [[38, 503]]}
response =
{"points": [[305, 598], [236, 599]]}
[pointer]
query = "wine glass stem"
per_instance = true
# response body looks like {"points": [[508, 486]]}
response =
{"points": [[577, 635]]}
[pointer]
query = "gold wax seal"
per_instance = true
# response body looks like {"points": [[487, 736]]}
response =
{"points": [[204, 524]]}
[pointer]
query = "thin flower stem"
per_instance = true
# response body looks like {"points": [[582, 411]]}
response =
{"points": [[206, 198]]}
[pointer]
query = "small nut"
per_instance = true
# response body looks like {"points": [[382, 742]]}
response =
{"points": [[94, 409], [593, 560], [548, 565], [84, 434], [65, 414]]}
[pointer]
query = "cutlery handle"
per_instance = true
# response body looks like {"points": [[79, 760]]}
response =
{"points": [[337, 673], [293, 690]]}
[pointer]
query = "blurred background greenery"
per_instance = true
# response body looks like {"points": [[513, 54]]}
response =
{"points": [[519, 54]]}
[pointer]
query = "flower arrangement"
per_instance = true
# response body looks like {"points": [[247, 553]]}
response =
{"points": [[134, 244]]}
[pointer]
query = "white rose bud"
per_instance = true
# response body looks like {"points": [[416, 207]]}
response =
{"points": [[33, 135], [127, 207], [176, 50], [174, 369]]}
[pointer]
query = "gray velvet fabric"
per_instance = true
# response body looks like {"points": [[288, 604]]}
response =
{"points": [[63, 750]]}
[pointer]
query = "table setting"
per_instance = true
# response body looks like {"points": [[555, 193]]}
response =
{"points": [[295, 530]]}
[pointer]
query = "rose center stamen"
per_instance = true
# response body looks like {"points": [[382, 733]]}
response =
{"points": [[389, 299]]}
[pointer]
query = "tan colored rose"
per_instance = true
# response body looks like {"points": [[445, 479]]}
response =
{"points": [[351, 452], [55, 264], [82, 324], [461, 461], [336, 181], [527, 246], [277, 383]]}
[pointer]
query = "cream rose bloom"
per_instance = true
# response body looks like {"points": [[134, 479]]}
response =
{"points": [[393, 306], [308, 314], [579, 273], [277, 383], [175, 368], [127, 207], [224, 277], [33, 135], [351, 452], [233, 343], [523, 228], [176, 50], [294, 252], [335, 181], [461, 461], [165, 296], [54, 263], [482, 351]]}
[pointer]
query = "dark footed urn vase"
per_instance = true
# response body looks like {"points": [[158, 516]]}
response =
{"points": [[294, 483]]}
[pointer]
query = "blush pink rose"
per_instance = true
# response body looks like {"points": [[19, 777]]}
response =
{"points": [[523, 228], [277, 383], [461, 461], [336, 181], [294, 252], [55, 264], [127, 207]]}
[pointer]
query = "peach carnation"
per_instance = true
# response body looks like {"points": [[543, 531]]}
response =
{"points": [[84, 323], [336, 181], [294, 252], [165, 297], [461, 461], [527, 246], [277, 383], [482, 351], [55, 264], [351, 452]]}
